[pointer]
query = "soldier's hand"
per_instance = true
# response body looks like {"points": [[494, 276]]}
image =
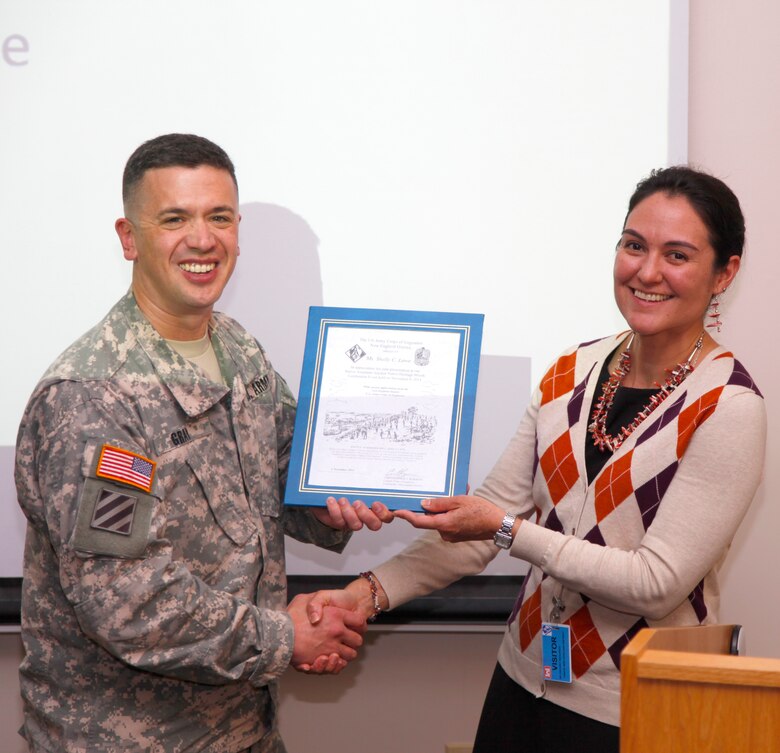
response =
{"points": [[341, 514], [322, 665]]}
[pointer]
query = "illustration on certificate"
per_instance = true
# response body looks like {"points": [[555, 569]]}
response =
{"points": [[409, 426]]}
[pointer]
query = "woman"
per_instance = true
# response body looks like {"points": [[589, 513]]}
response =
{"points": [[622, 488]]}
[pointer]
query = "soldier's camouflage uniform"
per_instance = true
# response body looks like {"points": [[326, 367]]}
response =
{"points": [[165, 634]]}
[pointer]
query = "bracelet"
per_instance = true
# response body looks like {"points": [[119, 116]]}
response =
{"points": [[369, 576]]}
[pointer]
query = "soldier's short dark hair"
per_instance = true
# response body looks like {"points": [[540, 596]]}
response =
{"points": [[173, 150]]}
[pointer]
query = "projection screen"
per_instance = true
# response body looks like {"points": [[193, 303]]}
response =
{"points": [[453, 155]]}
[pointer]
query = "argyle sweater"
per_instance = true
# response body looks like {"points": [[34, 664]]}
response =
{"points": [[638, 547]]}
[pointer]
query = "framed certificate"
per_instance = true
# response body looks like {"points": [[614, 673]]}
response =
{"points": [[386, 406]]}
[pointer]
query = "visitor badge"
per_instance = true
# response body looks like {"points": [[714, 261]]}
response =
{"points": [[556, 652]]}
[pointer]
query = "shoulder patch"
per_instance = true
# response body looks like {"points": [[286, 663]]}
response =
{"points": [[126, 467], [112, 521], [114, 512]]}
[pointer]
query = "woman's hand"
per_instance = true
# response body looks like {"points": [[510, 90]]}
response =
{"points": [[462, 518], [340, 514]]}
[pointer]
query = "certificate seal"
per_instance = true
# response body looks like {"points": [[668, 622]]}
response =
{"points": [[355, 353], [422, 356]]}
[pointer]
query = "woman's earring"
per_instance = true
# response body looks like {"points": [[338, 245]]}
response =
{"points": [[714, 313]]}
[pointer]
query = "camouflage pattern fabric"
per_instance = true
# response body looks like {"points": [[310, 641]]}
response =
{"points": [[154, 595]]}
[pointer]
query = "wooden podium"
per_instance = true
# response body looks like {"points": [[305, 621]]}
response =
{"points": [[682, 691]]}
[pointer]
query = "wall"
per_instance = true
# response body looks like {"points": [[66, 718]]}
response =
{"points": [[414, 693], [734, 120]]}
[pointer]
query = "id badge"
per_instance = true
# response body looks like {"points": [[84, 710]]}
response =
{"points": [[556, 652]]}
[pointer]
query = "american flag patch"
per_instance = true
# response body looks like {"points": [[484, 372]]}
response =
{"points": [[114, 512], [125, 466]]}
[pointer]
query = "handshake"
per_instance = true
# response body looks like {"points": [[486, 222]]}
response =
{"points": [[329, 626]]}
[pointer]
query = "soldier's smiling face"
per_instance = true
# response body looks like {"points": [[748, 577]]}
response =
{"points": [[181, 233]]}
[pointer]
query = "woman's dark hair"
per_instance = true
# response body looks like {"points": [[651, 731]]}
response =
{"points": [[173, 150], [714, 202]]}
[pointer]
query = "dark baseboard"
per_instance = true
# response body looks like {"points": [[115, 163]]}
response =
{"points": [[476, 599]]}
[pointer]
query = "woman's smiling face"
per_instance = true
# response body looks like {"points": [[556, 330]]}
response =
{"points": [[665, 273]]}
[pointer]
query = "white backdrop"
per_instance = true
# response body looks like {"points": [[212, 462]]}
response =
{"points": [[460, 155]]}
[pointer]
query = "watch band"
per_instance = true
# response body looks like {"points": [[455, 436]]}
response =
{"points": [[503, 536]]}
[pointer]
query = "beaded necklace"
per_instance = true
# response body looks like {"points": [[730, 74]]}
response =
{"points": [[598, 423]]}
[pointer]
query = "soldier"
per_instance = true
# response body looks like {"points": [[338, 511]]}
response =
{"points": [[150, 464]]}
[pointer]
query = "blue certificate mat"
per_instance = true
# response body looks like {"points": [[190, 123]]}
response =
{"points": [[386, 406]]}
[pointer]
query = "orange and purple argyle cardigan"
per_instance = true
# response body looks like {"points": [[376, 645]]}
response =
{"points": [[662, 466]]}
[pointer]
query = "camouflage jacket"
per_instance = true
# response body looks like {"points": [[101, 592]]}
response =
{"points": [[153, 606]]}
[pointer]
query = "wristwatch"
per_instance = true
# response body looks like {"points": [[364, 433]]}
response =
{"points": [[503, 536]]}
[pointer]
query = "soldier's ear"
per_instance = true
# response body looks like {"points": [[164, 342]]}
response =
{"points": [[126, 232]]}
